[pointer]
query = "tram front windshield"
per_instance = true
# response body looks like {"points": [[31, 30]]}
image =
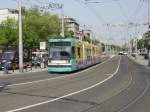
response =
{"points": [[60, 52]]}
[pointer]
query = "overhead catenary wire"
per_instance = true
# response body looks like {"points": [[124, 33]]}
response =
{"points": [[138, 9], [123, 11], [89, 3], [97, 15], [100, 17], [99, 2]]}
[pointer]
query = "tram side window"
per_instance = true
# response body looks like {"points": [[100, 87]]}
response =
{"points": [[79, 54], [73, 52], [88, 54]]}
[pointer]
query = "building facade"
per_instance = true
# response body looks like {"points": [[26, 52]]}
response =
{"points": [[146, 35], [72, 25], [8, 13]]}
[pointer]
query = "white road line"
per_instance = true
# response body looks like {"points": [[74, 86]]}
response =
{"points": [[59, 77], [108, 74], [49, 101]]}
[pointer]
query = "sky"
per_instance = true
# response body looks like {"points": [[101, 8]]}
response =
{"points": [[109, 19]]}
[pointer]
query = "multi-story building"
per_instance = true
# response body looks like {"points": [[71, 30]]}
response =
{"points": [[8, 13], [146, 35], [72, 25]]}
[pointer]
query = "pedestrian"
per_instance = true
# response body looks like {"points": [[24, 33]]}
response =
{"points": [[45, 61], [5, 67], [34, 61], [42, 62]]}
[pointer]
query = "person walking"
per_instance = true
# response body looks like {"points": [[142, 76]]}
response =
{"points": [[5, 67]]}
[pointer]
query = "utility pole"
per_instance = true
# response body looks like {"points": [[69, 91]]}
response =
{"points": [[20, 37], [136, 47], [149, 30], [62, 22], [130, 44], [105, 48], [91, 37]]}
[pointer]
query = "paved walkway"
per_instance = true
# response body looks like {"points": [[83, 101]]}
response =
{"points": [[28, 70], [140, 59], [33, 69]]}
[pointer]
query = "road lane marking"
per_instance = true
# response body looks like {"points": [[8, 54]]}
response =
{"points": [[59, 77], [139, 97], [56, 99], [108, 74]]}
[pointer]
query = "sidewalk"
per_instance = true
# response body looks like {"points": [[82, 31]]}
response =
{"points": [[28, 70], [139, 59]]}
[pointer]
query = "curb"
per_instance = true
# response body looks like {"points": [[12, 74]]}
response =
{"points": [[137, 62], [21, 73]]}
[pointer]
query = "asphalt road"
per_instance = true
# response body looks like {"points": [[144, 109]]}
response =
{"points": [[28, 77], [116, 85]]}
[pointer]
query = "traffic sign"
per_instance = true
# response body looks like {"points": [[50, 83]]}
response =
{"points": [[42, 45]]}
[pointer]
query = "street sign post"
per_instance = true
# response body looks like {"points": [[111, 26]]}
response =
{"points": [[42, 45]]}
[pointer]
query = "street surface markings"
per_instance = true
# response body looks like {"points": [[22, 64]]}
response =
{"points": [[71, 94], [139, 97], [38, 81], [108, 74]]}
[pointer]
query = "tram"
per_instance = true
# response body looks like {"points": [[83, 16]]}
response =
{"points": [[70, 54]]}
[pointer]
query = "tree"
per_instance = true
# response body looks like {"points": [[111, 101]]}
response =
{"points": [[140, 44], [39, 27], [69, 33], [8, 32]]}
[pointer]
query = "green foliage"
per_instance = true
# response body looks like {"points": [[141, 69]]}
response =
{"points": [[37, 27], [143, 43], [140, 44], [8, 32], [146, 43], [69, 33]]}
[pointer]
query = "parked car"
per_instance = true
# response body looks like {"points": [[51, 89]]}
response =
{"points": [[120, 53], [12, 57], [125, 53], [146, 56], [133, 54]]}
